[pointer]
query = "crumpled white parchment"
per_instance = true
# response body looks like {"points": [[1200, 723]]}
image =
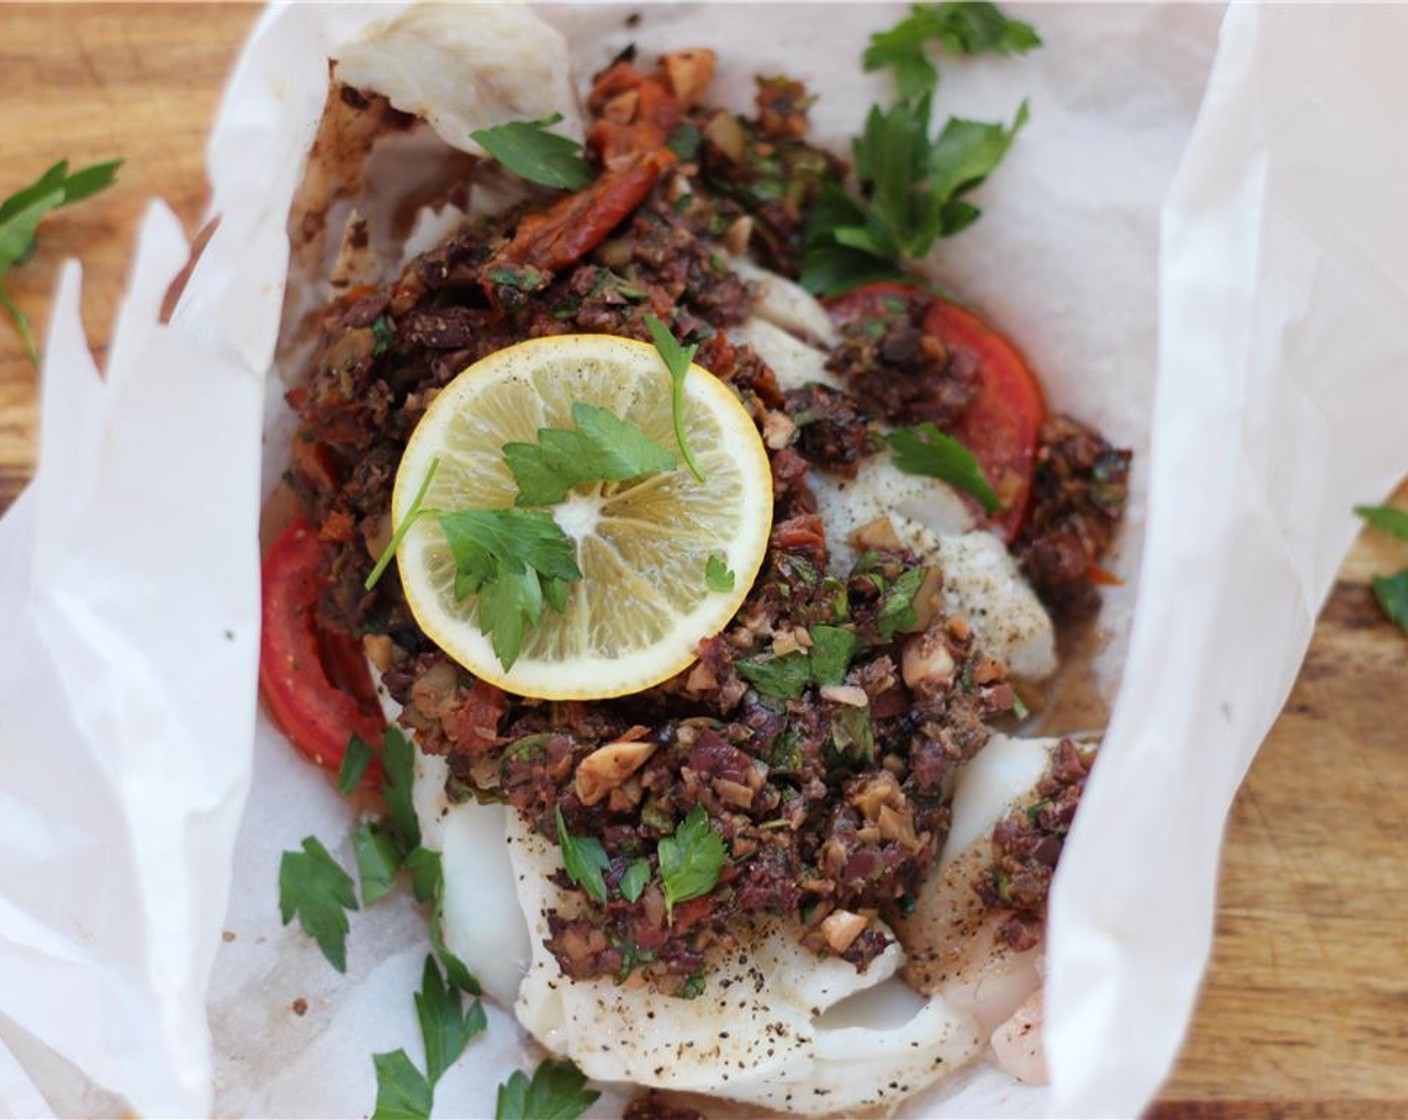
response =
{"points": [[128, 571]]}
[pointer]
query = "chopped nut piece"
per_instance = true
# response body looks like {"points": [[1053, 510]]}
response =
{"points": [[851, 695], [689, 74], [735, 793], [378, 648], [841, 928], [926, 663], [737, 236], [897, 825], [778, 430], [608, 767], [878, 534]]}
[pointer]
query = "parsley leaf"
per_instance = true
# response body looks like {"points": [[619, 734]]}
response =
{"points": [[897, 613], [398, 760], [378, 860], [603, 448], [428, 885], [558, 1091], [1386, 518], [314, 887], [444, 1024], [584, 858], [830, 655], [514, 559], [383, 334], [634, 881], [355, 761], [718, 576], [427, 876], [402, 1092], [21, 213], [911, 194], [923, 449], [691, 859], [788, 676], [962, 28], [677, 360], [531, 152], [1392, 594], [784, 677], [455, 969]]}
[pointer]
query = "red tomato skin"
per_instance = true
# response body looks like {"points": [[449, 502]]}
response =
{"points": [[317, 716], [1002, 427]]}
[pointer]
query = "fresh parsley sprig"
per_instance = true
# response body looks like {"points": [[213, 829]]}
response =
{"points": [[923, 449], [1390, 591], [531, 152], [557, 1091], [514, 559], [314, 887], [969, 28], [912, 193], [447, 1028], [912, 185], [691, 860], [604, 448], [677, 360], [21, 213]]}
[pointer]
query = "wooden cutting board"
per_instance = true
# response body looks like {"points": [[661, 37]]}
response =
{"points": [[1305, 1010]]}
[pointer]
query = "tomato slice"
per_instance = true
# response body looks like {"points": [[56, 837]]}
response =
{"points": [[870, 301], [1003, 424], [316, 684]]}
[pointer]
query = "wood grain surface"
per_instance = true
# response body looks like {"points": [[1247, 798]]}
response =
{"points": [[1305, 1009]]}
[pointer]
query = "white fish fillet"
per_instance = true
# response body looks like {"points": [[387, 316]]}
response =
{"points": [[787, 305], [753, 1035], [466, 67]]}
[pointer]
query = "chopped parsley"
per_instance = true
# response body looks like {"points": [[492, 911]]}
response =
{"points": [[1386, 519], [691, 860], [355, 761], [968, 28], [923, 449], [402, 1091], [831, 652], [788, 676], [1390, 591], [603, 448], [633, 882], [556, 1091], [584, 858], [378, 860], [718, 576], [314, 887], [531, 152], [383, 334]]}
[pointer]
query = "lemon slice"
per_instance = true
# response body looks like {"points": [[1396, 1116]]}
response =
{"points": [[642, 607]]}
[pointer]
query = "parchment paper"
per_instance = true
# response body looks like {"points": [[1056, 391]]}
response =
{"points": [[128, 571]]}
